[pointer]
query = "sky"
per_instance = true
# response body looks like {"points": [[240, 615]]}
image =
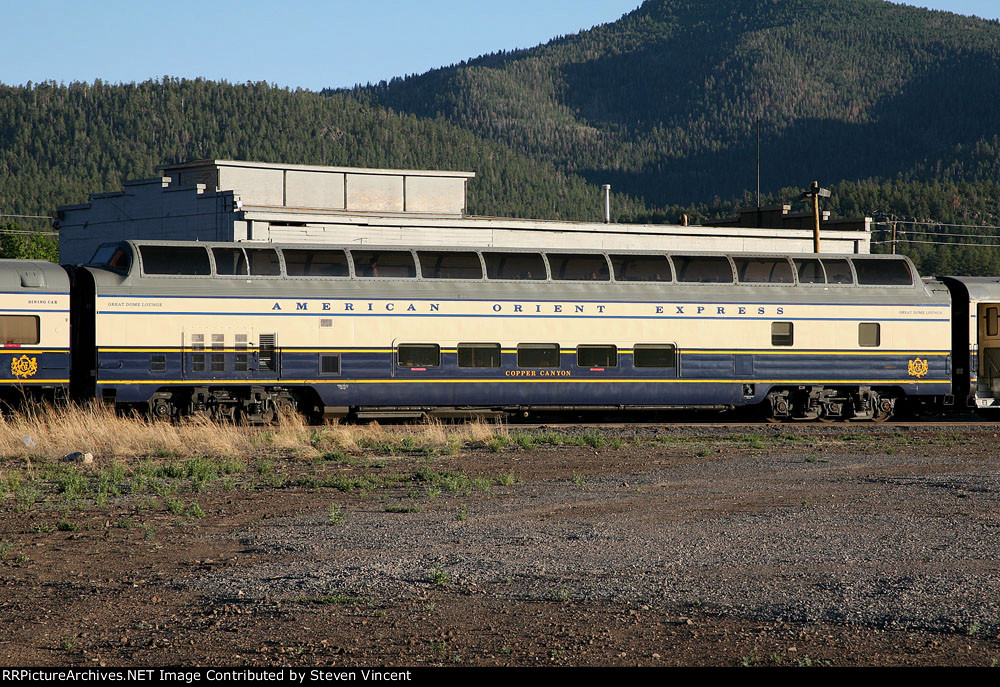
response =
{"points": [[310, 44]]}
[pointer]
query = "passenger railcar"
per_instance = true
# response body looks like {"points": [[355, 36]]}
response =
{"points": [[241, 329], [976, 339], [34, 331]]}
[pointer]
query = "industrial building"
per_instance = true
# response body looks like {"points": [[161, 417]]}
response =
{"points": [[227, 200]]}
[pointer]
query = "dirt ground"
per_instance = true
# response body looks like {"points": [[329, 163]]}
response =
{"points": [[651, 546]]}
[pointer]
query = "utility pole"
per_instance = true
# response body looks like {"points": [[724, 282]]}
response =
{"points": [[815, 192], [756, 221]]}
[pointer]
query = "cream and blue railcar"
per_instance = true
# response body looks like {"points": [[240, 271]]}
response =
{"points": [[240, 329], [34, 330]]}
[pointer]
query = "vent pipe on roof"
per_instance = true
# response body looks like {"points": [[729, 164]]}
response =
{"points": [[607, 203]]}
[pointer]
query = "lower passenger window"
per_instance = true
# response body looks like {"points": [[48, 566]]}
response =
{"points": [[597, 356], [538, 355], [198, 359], [418, 355], [782, 334], [869, 334], [157, 362], [329, 364], [478, 355], [219, 359], [654, 355], [242, 357]]}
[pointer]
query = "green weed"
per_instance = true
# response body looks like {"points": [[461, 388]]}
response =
{"points": [[506, 479], [439, 576], [403, 509], [67, 526], [336, 515]]}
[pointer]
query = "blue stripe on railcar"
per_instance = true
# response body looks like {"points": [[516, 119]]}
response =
{"points": [[369, 376], [34, 367]]}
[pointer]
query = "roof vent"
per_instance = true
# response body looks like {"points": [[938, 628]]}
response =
{"points": [[32, 278]]}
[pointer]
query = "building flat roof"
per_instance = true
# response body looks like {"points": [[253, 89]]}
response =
{"points": [[198, 164]]}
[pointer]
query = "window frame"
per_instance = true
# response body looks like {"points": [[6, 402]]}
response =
{"points": [[542, 262], [377, 255], [23, 319], [279, 263], [878, 334], [565, 259], [540, 347], [614, 351], [473, 345], [654, 346], [329, 356], [192, 250], [798, 275], [235, 249], [622, 258], [418, 366], [293, 250], [437, 256], [865, 265], [778, 259], [850, 267], [680, 279], [778, 338]]}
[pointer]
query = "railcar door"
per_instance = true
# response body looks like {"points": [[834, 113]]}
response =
{"points": [[989, 347]]}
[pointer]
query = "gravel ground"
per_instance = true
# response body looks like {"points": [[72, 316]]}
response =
{"points": [[856, 544], [827, 534]]}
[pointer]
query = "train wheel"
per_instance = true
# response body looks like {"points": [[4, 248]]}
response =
{"points": [[161, 408], [831, 412], [885, 408], [269, 415], [776, 408]]}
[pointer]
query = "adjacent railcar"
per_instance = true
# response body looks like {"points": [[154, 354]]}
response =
{"points": [[241, 329], [34, 331], [976, 340]]}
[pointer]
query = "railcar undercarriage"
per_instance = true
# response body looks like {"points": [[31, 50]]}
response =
{"points": [[831, 404], [263, 404], [252, 405]]}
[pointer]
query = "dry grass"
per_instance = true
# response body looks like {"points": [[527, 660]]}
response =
{"points": [[47, 432], [50, 432], [432, 436]]}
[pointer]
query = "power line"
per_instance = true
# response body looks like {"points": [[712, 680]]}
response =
{"points": [[940, 243], [28, 232], [937, 224], [947, 233], [28, 216]]}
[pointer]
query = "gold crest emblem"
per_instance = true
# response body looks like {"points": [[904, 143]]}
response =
{"points": [[917, 368], [24, 366]]}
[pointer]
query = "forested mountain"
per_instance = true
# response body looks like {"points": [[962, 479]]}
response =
{"points": [[892, 107], [665, 102], [59, 143]]}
